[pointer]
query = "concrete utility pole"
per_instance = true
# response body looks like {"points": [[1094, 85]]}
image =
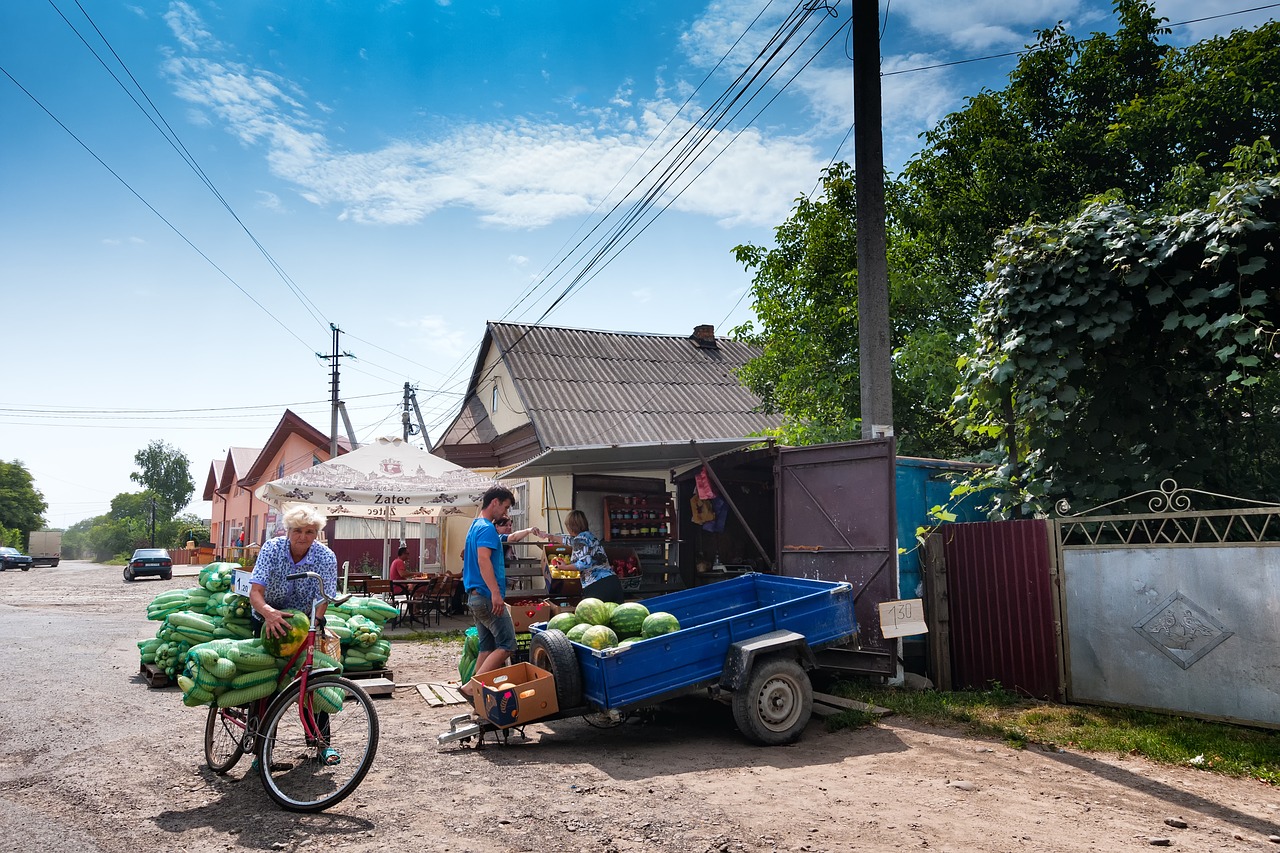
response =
{"points": [[874, 348], [335, 403]]}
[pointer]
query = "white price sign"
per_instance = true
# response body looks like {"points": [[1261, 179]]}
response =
{"points": [[902, 618], [240, 583]]}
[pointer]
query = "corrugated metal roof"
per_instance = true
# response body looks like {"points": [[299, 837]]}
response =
{"points": [[584, 387]]}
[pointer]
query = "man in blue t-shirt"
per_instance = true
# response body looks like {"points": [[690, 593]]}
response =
{"points": [[485, 578]]}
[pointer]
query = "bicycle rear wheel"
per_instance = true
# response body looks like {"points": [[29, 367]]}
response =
{"points": [[333, 714], [224, 734]]}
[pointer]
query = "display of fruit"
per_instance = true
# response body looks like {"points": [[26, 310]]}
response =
{"points": [[628, 619], [592, 611], [563, 622], [599, 637], [659, 623], [282, 647]]}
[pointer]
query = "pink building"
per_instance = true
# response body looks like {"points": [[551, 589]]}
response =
{"points": [[293, 446]]}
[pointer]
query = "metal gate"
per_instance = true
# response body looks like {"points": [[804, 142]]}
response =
{"points": [[990, 596], [1173, 609], [835, 510]]}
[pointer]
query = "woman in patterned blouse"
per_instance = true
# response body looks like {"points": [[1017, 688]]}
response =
{"points": [[297, 551]]}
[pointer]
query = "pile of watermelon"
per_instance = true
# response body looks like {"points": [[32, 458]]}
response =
{"points": [[602, 625], [193, 619]]}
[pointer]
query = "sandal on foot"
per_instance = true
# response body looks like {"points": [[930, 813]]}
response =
{"points": [[329, 757]]}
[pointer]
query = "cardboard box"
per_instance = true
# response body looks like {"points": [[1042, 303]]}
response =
{"points": [[514, 695], [525, 612]]}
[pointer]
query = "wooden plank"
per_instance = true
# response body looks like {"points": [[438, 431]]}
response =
{"points": [[843, 704], [438, 695]]}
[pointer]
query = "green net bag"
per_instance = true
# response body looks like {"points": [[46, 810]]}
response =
{"points": [[470, 651]]}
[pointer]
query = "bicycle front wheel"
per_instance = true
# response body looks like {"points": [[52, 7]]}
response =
{"points": [[317, 746], [224, 734]]}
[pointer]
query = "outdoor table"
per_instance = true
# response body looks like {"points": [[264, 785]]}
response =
{"points": [[411, 588]]}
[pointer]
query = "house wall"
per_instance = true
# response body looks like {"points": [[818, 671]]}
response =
{"points": [[509, 413], [238, 509]]}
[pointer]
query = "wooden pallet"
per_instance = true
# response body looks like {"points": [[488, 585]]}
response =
{"points": [[438, 695], [154, 675], [369, 673]]}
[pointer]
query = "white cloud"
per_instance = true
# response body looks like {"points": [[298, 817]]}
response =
{"points": [[441, 339], [517, 260], [642, 295], [189, 28], [969, 26], [516, 174], [270, 201]]}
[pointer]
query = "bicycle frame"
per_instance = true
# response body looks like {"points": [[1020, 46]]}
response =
{"points": [[305, 714]]}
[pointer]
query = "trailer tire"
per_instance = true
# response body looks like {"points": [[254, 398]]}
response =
{"points": [[552, 650], [775, 705]]}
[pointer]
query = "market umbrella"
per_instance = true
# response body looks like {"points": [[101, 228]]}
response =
{"points": [[388, 479]]}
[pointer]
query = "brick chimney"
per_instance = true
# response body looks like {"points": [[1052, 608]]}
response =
{"points": [[704, 337]]}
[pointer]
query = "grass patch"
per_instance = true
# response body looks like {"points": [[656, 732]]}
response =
{"points": [[1000, 714]]}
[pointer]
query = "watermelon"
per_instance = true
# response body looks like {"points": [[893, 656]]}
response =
{"points": [[599, 637], [609, 607], [659, 623], [575, 633], [562, 622], [593, 611], [283, 647], [628, 619]]}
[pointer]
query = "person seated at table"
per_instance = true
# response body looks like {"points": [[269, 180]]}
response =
{"points": [[398, 572]]}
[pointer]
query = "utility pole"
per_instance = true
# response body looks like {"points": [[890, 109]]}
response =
{"points": [[152, 502], [335, 403], [874, 347], [411, 399], [406, 427]]}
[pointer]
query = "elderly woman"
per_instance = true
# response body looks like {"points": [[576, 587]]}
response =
{"points": [[297, 551], [588, 557]]}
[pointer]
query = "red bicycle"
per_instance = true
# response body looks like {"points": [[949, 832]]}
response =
{"points": [[314, 739]]}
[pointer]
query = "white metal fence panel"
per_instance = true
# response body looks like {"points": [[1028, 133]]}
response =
{"points": [[1190, 628]]}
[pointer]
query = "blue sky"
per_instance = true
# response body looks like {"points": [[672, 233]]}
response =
{"points": [[410, 170]]}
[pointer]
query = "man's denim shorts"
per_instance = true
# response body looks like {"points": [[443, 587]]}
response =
{"points": [[493, 632]]}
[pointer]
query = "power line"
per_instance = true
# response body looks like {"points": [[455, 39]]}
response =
{"points": [[175, 142], [150, 207]]}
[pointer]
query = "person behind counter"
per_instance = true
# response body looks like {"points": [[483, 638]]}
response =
{"points": [[589, 558]]}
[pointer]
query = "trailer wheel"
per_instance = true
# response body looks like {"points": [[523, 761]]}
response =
{"points": [[552, 650], [776, 704]]}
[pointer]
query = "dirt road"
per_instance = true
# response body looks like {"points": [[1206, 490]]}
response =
{"points": [[91, 759]]}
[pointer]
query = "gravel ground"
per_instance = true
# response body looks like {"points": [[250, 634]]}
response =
{"points": [[91, 759]]}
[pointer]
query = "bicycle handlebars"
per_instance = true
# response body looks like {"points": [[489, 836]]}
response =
{"points": [[320, 583]]}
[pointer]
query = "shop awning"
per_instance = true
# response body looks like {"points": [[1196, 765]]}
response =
{"points": [[615, 458]]}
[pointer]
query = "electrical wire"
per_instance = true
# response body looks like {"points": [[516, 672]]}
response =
{"points": [[152, 208], [175, 142]]}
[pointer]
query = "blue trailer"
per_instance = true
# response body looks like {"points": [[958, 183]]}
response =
{"points": [[749, 641]]}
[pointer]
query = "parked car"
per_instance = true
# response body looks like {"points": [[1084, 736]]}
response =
{"points": [[149, 561], [12, 558]]}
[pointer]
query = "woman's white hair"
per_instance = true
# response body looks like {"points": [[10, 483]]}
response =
{"points": [[304, 515]]}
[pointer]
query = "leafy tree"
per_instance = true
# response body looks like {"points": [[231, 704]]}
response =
{"points": [[1114, 114], [1116, 349], [805, 295], [22, 505], [166, 471]]}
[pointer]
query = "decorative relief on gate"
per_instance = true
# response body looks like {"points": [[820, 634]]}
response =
{"points": [[1182, 630]]}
